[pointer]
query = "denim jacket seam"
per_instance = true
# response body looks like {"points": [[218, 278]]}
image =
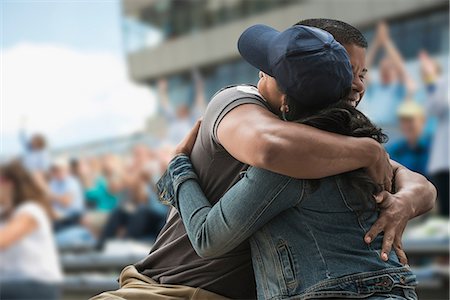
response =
{"points": [[348, 205], [260, 211], [318, 250], [355, 277], [302, 193]]}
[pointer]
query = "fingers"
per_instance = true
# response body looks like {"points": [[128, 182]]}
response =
{"points": [[386, 248], [379, 199], [374, 231], [383, 199], [398, 247]]}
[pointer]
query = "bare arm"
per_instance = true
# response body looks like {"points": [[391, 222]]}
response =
{"points": [[373, 49], [256, 136], [396, 57], [16, 229]]}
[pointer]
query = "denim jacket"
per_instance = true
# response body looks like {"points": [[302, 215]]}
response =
{"points": [[306, 242]]}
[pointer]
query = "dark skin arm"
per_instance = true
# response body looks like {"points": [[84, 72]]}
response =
{"points": [[255, 136], [414, 195]]}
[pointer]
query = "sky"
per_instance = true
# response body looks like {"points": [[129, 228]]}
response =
{"points": [[64, 73]]}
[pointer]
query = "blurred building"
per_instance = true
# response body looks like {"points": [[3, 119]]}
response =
{"points": [[170, 38]]}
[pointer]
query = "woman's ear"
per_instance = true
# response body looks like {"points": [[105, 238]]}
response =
{"points": [[284, 104]]}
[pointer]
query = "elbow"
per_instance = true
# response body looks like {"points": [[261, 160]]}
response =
{"points": [[431, 195], [428, 192], [207, 248]]}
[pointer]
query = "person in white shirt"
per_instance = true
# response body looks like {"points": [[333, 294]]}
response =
{"points": [[29, 267]]}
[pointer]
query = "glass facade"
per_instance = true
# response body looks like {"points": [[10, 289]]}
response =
{"points": [[168, 19]]}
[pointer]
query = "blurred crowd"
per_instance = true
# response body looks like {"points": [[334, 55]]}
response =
{"points": [[50, 203], [415, 114]]}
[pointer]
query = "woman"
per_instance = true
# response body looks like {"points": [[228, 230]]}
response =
{"points": [[306, 235], [29, 267]]}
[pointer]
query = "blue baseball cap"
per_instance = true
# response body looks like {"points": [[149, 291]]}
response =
{"points": [[309, 65]]}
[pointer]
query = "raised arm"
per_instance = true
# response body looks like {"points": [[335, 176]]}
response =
{"points": [[253, 201], [257, 137], [396, 57]]}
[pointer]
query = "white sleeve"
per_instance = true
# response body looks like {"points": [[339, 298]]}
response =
{"points": [[34, 210]]}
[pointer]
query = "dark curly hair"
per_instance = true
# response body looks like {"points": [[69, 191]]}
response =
{"points": [[342, 32], [342, 118]]}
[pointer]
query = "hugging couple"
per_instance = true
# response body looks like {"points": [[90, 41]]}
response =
{"points": [[284, 190]]}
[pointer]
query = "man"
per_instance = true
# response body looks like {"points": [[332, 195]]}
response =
{"points": [[413, 149], [66, 195], [247, 131]]}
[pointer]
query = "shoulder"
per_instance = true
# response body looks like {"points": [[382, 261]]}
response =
{"points": [[232, 93], [223, 102]]}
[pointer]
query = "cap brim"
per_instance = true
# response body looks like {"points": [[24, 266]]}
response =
{"points": [[253, 45]]}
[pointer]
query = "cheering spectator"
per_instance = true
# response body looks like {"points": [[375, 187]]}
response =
{"points": [[29, 267], [66, 195], [136, 217], [394, 85], [36, 157], [182, 118], [412, 150], [437, 105]]}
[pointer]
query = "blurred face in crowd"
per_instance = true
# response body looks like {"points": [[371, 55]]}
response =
{"points": [[140, 154], [182, 111], [37, 142], [412, 128], [388, 73], [59, 172], [268, 88], [358, 61]]}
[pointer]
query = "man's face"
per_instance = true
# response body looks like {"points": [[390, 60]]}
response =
{"points": [[358, 61], [268, 88]]}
